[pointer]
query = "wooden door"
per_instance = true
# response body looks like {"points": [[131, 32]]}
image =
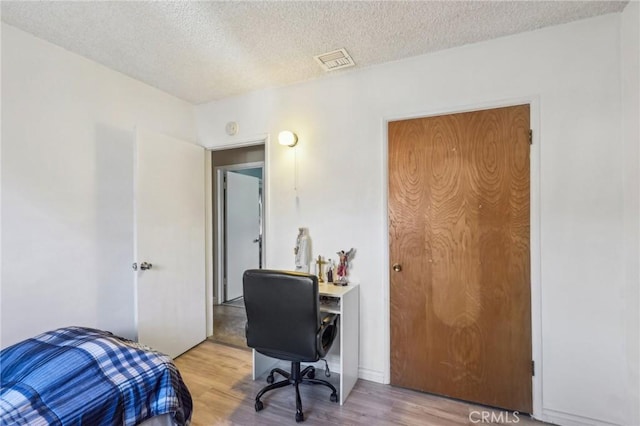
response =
{"points": [[459, 233], [169, 234]]}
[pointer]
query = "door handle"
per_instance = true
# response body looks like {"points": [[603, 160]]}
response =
{"points": [[397, 267], [257, 240], [144, 266]]}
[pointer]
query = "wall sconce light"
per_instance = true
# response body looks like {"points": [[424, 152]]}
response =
{"points": [[287, 138]]}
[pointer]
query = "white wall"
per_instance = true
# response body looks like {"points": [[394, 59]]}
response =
{"points": [[630, 55], [572, 72], [67, 195]]}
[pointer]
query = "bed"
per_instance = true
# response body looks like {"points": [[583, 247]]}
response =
{"points": [[78, 375]]}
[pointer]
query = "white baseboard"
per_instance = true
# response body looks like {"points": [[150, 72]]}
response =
{"points": [[568, 419], [371, 375]]}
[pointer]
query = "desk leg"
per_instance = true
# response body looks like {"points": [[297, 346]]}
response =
{"points": [[349, 342], [262, 364]]}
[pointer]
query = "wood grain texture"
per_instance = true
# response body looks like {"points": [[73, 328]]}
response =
{"points": [[459, 226], [219, 378]]}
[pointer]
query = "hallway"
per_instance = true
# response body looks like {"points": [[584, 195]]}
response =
{"points": [[228, 323]]}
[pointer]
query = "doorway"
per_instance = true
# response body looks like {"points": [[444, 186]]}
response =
{"points": [[459, 243], [238, 238], [241, 228]]}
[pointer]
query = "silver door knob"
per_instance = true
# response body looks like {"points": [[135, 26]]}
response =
{"points": [[144, 266], [397, 267]]}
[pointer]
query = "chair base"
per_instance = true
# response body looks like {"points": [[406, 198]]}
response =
{"points": [[294, 378]]}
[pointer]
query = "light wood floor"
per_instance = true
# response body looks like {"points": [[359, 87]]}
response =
{"points": [[219, 378]]}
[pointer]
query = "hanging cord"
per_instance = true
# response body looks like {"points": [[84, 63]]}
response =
{"points": [[327, 372], [295, 169], [295, 180]]}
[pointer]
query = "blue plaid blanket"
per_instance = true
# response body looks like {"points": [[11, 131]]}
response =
{"points": [[75, 375]]}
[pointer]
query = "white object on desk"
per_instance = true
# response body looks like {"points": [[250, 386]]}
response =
{"points": [[348, 333], [303, 250]]}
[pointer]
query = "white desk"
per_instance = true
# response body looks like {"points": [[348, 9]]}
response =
{"points": [[343, 357]]}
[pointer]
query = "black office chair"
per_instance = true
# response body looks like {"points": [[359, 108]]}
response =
{"points": [[284, 322]]}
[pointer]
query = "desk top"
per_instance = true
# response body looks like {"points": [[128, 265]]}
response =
{"points": [[327, 289]]}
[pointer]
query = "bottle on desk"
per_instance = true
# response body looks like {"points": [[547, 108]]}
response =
{"points": [[330, 272]]}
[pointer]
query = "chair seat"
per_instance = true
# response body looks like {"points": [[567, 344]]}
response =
{"points": [[285, 356]]}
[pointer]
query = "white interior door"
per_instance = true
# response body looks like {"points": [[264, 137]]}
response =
{"points": [[242, 229], [170, 235]]}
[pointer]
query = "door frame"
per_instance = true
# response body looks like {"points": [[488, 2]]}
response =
{"points": [[209, 223], [535, 228], [219, 226]]}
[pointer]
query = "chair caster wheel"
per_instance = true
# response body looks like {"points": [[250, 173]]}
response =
{"points": [[270, 378], [259, 405], [334, 397], [299, 417], [311, 374]]}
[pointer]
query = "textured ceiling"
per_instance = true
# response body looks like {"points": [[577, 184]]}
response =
{"points": [[204, 51]]}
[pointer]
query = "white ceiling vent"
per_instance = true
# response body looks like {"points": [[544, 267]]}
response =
{"points": [[335, 60]]}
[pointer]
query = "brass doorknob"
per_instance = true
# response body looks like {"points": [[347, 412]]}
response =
{"points": [[397, 267]]}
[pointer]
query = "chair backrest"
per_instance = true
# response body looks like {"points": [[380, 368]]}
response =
{"points": [[283, 316]]}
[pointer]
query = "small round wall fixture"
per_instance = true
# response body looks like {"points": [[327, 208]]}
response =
{"points": [[231, 128], [288, 138]]}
